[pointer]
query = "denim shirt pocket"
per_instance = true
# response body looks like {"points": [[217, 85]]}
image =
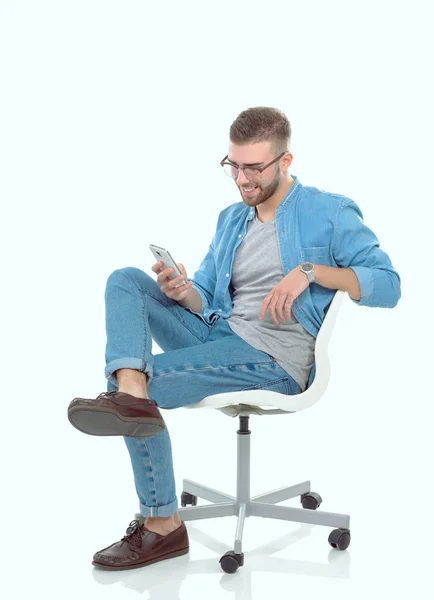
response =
{"points": [[316, 254]]}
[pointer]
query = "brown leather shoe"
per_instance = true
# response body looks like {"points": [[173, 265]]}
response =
{"points": [[116, 413], [141, 547]]}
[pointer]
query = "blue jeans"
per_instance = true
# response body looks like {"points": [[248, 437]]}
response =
{"points": [[198, 360]]}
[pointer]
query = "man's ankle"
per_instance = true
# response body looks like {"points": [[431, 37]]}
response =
{"points": [[138, 393], [161, 525], [131, 381], [164, 521]]}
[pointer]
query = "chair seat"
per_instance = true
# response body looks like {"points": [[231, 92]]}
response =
{"points": [[260, 402], [253, 401]]}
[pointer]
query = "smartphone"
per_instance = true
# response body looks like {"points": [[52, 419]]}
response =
{"points": [[165, 256]]}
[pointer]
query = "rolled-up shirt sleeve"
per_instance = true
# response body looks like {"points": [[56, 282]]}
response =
{"points": [[355, 246]]}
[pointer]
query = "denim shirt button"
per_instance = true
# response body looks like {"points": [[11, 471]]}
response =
{"points": [[227, 274]]}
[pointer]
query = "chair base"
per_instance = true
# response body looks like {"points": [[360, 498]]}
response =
{"points": [[263, 505]]}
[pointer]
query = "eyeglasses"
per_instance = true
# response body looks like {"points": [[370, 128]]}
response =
{"points": [[232, 169]]}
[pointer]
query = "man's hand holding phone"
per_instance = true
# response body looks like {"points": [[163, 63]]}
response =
{"points": [[172, 287]]}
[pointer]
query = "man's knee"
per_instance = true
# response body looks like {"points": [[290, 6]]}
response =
{"points": [[131, 273]]}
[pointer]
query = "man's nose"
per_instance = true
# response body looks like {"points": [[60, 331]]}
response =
{"points": [[241, 179]]}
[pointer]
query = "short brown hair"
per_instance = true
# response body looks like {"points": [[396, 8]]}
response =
{"points": [[261, 124]]}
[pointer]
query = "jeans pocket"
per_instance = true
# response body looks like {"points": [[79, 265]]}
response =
{"points": [[281, 386], [293, 387]]}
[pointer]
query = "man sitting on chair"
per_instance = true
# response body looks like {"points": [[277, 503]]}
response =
{"points": [[247, 320]]}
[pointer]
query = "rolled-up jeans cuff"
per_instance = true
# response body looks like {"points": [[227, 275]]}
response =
{"points": [[159, 511], [126, 363]]}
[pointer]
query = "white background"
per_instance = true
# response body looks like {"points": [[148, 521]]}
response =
{"points": [[114, 117]]}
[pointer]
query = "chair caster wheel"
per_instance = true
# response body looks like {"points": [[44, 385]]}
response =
{"points": [[187, 498], [230, 561], [340, 539], [311, 500]]}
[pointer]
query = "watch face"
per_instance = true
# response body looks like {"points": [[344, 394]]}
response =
{"points": [[307, 266]]}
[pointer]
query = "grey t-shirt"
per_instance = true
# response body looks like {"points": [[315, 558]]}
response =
{"points": [[256, 270]]}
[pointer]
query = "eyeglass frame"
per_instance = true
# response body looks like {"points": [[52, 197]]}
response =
{"points": [[240, 168]]}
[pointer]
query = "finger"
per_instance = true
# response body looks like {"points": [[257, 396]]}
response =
{"points": [[263, 309], [279, 310], [156, 266], [163, 275], [272, 307], [173, 283], [176, 291], [288, 309], [176, 281], [273, 313]]}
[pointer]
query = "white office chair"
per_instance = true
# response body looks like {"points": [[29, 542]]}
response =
{"points": [[243, 404]]}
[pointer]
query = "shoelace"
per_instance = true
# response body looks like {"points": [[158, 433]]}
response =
{"points": [[107, 394], [104, 394], [134, 534]]}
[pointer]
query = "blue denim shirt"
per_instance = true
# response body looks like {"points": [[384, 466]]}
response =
{"points": [[311, 225]]}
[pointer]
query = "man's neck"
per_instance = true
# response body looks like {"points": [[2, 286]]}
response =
{"points": [[266, 211]]}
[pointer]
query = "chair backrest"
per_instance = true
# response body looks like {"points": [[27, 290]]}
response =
{"points": [[236, 403], [320, 373]]}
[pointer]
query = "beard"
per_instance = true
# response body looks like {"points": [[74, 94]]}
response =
{"points": [[262, 194]]}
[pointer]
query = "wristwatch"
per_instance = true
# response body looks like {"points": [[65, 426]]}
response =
{"points": [[307, 268]]}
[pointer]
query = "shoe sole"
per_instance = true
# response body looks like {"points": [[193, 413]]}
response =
{"points": [[98, 421], [143, 564]]}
